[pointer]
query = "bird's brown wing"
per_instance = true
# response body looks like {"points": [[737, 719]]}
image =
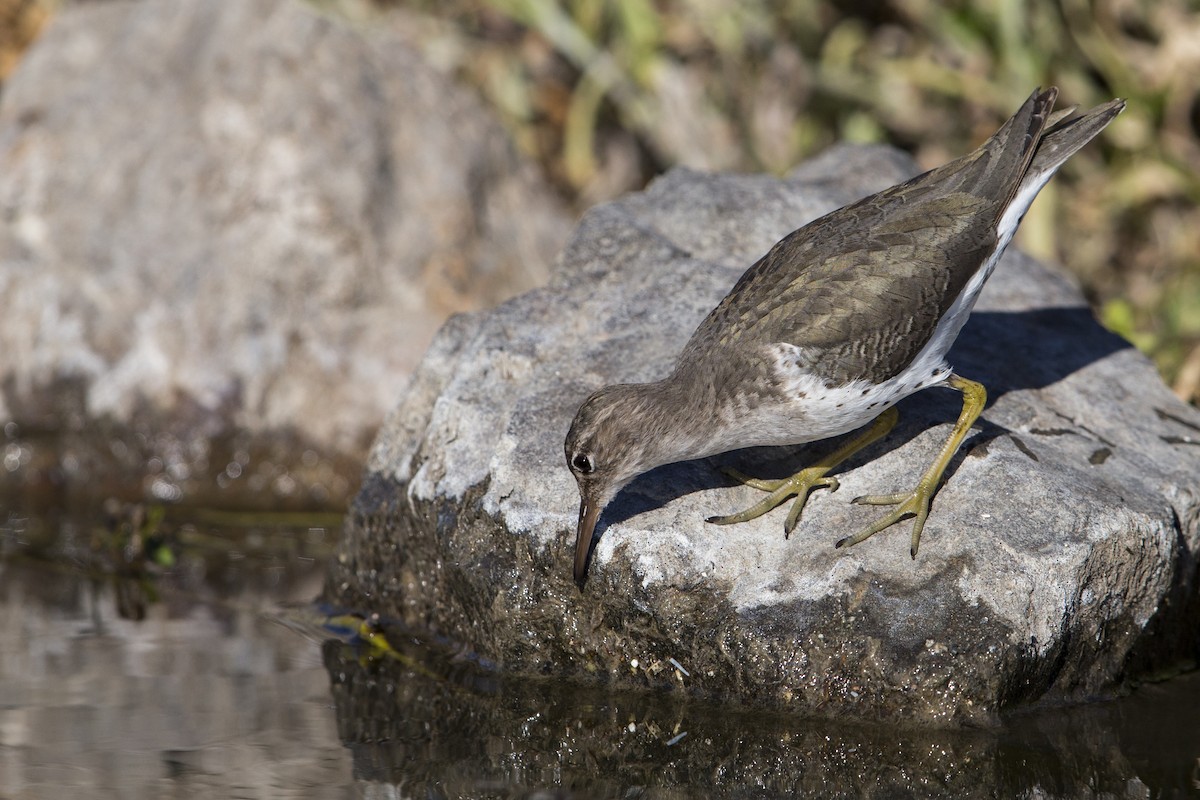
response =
{"points": [[861, 290]]}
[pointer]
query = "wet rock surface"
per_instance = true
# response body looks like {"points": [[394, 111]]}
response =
{"points": [[241, 218], [1058, 561]]}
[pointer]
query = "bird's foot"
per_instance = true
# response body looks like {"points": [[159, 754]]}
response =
{"points": [[806, 480], [915, 504], [801, 485]]}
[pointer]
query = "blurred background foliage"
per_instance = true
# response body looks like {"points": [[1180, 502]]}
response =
{"points": [[606, 94], [20, 22]]}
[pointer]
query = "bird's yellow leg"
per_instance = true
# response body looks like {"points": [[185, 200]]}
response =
{"points": [[806, 480], [917, 502]]}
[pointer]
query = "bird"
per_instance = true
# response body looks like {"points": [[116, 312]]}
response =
{"points": [[835, 324]]}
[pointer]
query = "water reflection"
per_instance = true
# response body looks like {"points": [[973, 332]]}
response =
{"points": [[470, 733], [199, 692], [212, 692]]}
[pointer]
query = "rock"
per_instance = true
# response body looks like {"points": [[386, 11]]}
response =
{"points": [[241, 220], [1058, 561]]}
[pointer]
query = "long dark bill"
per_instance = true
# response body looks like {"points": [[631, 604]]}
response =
{"points": [[589, 512]]}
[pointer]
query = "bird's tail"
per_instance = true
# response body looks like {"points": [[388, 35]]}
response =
{"points": [[1056, 136], [1064, 135]]}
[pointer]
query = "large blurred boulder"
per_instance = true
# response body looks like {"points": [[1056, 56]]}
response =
{"points": [[238, 220]]}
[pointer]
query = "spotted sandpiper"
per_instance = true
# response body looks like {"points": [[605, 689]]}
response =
{"points": [[838, 322]]}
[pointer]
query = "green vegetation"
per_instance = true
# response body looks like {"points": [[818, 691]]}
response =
{"points": [[607, 94]]}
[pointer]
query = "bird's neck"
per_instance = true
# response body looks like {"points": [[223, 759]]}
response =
{"points": [[677, 418]]}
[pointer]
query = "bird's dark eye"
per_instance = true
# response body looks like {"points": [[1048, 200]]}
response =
{"points": [[582, 462]]}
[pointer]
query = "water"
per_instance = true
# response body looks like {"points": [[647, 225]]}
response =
{"points": [[127, 672], [178, 682]]}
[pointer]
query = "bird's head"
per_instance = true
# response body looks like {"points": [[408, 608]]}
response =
{"points": [[611, 442]]}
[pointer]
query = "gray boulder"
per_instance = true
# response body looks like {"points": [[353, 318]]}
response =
{"points": [[1058, 561], [242, 218]]}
